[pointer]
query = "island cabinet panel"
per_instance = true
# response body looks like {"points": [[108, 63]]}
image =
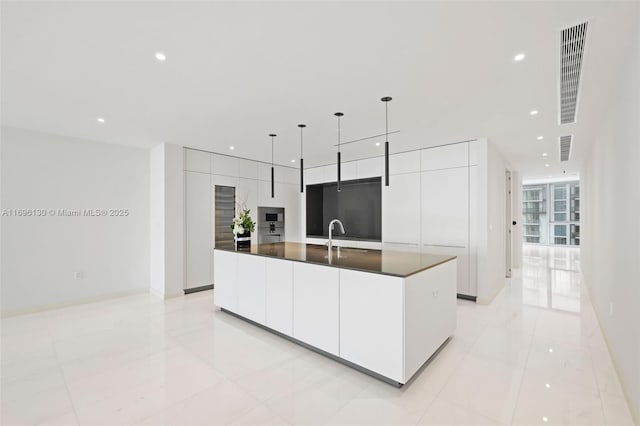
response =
{"points": [[371, 322], [252, 287], [316, 306], [225, 275], [430, 313], [279, 303]]}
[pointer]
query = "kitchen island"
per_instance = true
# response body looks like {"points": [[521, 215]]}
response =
{"points": [[383, 312]]}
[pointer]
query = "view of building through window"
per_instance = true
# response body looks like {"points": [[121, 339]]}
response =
{"points": [[551, 213]]}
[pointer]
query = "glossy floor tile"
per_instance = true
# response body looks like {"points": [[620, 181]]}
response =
{"points": [[535, 355]]}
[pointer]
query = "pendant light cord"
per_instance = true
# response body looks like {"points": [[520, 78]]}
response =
{"points": [[338, 133], [301, 155]]}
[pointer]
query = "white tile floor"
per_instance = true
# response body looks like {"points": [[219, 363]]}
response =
{"points": [[534, 356]]}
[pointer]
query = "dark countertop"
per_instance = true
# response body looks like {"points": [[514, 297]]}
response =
{"points": [[386, 262]]}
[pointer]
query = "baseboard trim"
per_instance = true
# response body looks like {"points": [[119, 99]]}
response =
{"points": [[196, 289], [75, 302]]}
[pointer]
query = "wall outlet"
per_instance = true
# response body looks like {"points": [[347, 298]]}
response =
{"points": [[78, 275], [610, 309]]}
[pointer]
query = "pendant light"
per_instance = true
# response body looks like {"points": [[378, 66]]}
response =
{"points": [[272, 180], [339, 114], [302, 126], [386, 101]]}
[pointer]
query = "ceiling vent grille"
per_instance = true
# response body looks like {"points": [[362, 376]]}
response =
{"points": [[565, 147], [573, 40]]}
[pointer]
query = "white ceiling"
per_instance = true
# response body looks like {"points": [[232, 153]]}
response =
{"points": [[238, 71]]}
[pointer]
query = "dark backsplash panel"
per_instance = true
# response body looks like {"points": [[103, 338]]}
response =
{"points": [[358, 206]]}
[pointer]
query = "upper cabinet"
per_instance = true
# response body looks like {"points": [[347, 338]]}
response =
{"points": [[369, 167], [197, 161], [445, 157], [405, 162], [247, 169], [224, 165]]}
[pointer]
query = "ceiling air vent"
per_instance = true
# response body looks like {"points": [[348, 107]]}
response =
{"points": [[565, 147], [572, 39]]}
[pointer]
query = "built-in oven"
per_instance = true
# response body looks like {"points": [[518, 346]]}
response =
{"points": [[270, 225]]}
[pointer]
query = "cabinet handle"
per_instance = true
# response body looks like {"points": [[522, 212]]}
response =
{"points": [[435, 292]]}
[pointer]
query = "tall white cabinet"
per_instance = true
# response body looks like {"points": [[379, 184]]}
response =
{"points": [[251, 180]]}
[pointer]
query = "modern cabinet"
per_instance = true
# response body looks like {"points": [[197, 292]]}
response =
{"points": [[316, 306], [401, 210], [372, 336], [251, 286], [279, 295], [445, 157], [198, 223], [445, 207], [225, 290], [197, 161]]}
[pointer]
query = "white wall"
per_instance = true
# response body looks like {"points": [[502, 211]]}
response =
{"points": [[610, 227], [40, 255], [491, 224]]}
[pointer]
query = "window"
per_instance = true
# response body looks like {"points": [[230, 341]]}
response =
{"points": [[551, 213]]}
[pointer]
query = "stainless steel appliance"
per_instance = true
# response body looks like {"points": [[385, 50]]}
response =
{"points": [[270, 225]]}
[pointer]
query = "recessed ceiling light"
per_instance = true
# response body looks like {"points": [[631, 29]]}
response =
{"points": [[232, 148], [293, 161], [547, 165], [549, 176], [544, 154], [550, 350], [545, 419], [519, 57], [100, 120], [547, 385], [161, 56], [540, 138], [533, 112], [377, 143]]}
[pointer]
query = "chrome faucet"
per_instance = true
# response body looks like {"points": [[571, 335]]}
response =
{"points": [[330, 243]]}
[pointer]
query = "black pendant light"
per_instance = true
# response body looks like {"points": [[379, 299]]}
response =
{"points": [[339, 114], [302, 126], [272, 179], [386, 101]]}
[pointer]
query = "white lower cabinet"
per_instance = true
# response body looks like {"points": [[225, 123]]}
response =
{"points": [[316, 306], [252, 287], [371, 322], [225, 277], [279, 303]]}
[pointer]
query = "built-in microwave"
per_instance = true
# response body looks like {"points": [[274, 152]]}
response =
{"points": [[271, 217]]}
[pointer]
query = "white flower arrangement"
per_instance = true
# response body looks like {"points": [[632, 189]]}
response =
{"points": [[242, 222]]}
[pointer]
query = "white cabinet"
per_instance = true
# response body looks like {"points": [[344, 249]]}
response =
{"points": [[369, 167], [225, 278], [445, 207], [401, 210], [445, 218], [430, 313], [348, 170], [405, 162], [198, 219], [316, 306], [372, 322], [196, 161], [314, 175], [252, 287], [247, 195], [445, 157], [224, 165], [279, 295], [247, 169], [474, 228]]}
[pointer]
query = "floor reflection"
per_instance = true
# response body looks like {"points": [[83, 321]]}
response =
{"points": [[551, 277]]}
